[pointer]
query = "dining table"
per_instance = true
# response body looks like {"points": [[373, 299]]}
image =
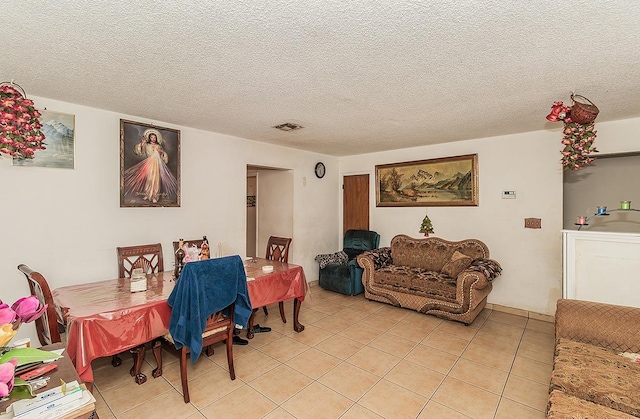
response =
{"points": [[105, 318]]}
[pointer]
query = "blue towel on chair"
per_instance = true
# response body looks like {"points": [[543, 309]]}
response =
{"points": [[203, 288]]}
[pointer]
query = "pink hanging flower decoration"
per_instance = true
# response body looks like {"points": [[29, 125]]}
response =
{"points": [[19, 122], [577, 138]]}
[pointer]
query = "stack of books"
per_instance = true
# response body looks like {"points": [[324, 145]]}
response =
{"points": [[67, 400]]}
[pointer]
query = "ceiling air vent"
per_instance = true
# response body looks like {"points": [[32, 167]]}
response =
{"points": [[288, 126]]}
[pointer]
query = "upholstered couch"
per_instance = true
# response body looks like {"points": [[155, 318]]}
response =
{"points": [[594, 371], [435, 276], [339, 271]]}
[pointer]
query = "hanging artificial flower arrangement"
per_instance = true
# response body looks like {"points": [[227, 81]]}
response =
{"points": [[20, 134], [579, 131]]}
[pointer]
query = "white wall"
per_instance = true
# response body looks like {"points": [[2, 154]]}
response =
{"points": [[67, 223], [275, 216], [528, 163]]}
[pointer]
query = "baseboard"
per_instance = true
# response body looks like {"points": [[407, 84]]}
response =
{"points": [[520, 312]]}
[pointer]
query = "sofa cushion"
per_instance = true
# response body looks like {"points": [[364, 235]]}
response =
{"points": [[432, 253], [416, 281], [381, 257], [490, 268], [564, 406], [360, 240], [345, 279], [596, 374], [352, 253], [338, 258], [458, 263]]}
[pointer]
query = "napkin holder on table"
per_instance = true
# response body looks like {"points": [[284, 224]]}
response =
{"points": [[138, 280]]}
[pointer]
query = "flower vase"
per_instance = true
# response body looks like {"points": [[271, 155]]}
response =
{"points": [[7, 332]]}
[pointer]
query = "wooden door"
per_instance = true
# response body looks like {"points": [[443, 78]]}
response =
{"points": [[355, 202]]}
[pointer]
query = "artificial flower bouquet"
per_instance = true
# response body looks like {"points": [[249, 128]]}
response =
{"points": [[24, 310]]}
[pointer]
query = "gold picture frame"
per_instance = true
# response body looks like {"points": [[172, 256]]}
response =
{"points": [[442, 182], [149, 165]]}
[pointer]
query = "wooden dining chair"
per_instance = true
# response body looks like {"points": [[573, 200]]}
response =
{"points": [[278, 249], [219, 328], [149, 258], [47, 325]]}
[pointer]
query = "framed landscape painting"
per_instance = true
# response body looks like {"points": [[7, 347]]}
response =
{"points": [[149, 165], [59, 132], [443, 182]]}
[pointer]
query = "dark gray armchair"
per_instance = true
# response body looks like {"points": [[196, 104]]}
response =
{"points": [[340, 272]]}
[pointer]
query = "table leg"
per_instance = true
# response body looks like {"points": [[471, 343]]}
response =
{"points": [[138, 359], [250, 333], [297, 326], [282, 316], [156, 345], [116, 361]]}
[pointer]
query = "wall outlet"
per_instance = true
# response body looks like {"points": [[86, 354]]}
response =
{"points": [[532, 223], [508, 194]]}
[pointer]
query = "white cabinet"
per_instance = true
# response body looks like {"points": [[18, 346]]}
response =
{"points": [[602, 267]]}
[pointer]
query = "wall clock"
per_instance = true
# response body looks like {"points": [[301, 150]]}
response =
{"points": [[320, 170]]}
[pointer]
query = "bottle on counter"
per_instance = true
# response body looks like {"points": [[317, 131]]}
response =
{"points": [[179, 258], [205, 252]]}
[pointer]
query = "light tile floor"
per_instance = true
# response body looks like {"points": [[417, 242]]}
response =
{"points": [[355, 359]]}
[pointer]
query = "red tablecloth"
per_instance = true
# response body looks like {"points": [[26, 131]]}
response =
{"points": [[287, 281], [104, 318]]}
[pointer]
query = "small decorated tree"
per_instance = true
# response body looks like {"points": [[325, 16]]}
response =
{"points": [[426, 226]]}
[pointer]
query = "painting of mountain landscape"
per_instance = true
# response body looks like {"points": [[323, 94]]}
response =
{"points": [[449, 181], [58, 129]]}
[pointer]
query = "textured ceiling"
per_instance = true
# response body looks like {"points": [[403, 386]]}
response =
{"points": [[360, 76]]}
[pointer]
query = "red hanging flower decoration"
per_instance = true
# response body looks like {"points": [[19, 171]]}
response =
{"points": [[577, 138], [20, 134]]}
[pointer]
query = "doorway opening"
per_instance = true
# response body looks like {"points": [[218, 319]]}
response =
{"points": [[269, 207]]}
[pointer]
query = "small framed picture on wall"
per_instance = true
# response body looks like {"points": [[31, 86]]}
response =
{"points": [[59, 153], [149, 165]]}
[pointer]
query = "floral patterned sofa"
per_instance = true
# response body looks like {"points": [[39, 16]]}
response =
{"points": [[434, 276], [596, 365]]}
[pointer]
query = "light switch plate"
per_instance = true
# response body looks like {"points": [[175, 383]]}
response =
{"points": [[508, 194]]}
